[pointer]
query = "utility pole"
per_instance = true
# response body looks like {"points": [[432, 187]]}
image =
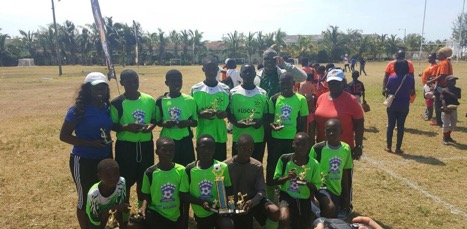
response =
{"points": [[405, 35], [460, 33], [57, 48], [421, 39]]}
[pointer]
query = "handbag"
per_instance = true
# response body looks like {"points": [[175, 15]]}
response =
{"points": [[388, 101]]}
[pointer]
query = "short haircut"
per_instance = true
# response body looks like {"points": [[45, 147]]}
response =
{"points": [[269, 52], [164, 140], [321, 68], [209, 60], [128, 73], [355, 74], [400, 55], [173, 74], [231, 64], [401, 67], [330, 65], [107, 163], [245, 139], [204, 136], [303, 135], [304, 61], [260, 66], [333, 120], [286, 76]]}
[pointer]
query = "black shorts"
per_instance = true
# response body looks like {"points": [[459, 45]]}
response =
{"points": [[276, 148], [134, 158], [184, 151], [221, 151], [325, 193], [258, 212], [84, 172], [258, 152], [299, 210], [206, 222], [156, 220]]}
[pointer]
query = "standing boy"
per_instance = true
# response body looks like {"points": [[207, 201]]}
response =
{"points": [[202, 189], [335, 162], [288, 112], [295, 189], [248, 110], [161, 186], [108, 194], [178, 115], [356, 87], [134, 117], [450, 96], [212, 102]]}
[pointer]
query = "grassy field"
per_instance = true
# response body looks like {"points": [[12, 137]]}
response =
{"points": [[423, 188]]}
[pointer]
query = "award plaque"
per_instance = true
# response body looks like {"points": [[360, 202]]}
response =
{"points": [[105, 137], [112, 222], [302, 176], [220, 205]]}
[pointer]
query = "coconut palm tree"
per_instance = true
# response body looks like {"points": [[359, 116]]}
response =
{"points": [[85, 45], [28, 39], [196, 37], [334, 42], [175, 40], [250, 45], [186, 44], [162, 42], [3, 51], [233, 42]]}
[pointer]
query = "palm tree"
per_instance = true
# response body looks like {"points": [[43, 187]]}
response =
{"points": [[3, 51], [232, 43], [67, 37], [250, 45], [162, 41], [260, 43], [85, 45], [186, 43], [334, 42], [175, 40], [28, 39], [46, 40], [392, 45], [279, 39], [196, 37]]}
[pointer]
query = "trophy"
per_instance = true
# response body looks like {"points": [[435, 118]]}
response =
{"points": [[323, 181], [278, 122], [249, 121], [135, 215], [240, 203], [105, 137], [223, 208], [112, 222], [231, 203], [302, 176], [215, 105]]}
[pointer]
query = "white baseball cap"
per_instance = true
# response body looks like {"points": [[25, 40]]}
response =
{"points": [[95, 78], [335, 74]]}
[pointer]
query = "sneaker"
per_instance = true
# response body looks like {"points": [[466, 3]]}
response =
{"points": [[445, 141], [399, 151], [449, 139]]}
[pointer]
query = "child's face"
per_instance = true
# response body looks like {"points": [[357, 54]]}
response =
{"points": [[301, 145], [245, 150], [174, 84], [166, 152], [130, 83], [109, 177], [333, 131], [286, 85], [451, 82], [205, 149], [210, 70]]}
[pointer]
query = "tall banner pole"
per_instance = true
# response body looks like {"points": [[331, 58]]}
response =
{"points": [[96, 11]]}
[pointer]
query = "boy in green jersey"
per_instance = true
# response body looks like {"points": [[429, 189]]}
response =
{"points": [[299, 177], [335, 162], [177, 116], [212, 103], [248, 110], [202, 188], [108, 194], [287, 114], [134, 117], [161, 186]]}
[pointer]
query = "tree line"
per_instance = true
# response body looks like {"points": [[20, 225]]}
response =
{"points": [[81, 45]]}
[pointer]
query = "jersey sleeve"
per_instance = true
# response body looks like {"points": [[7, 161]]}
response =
{"points": [[312, 153], [70, 115], [348, 160], [270, 106], [279, 168], [388, 68], [92, 210], [411, 69], [146, 188], [184, 186], [316, 177], [303, 107], [158, 109], [155, 112], [357, 110]]}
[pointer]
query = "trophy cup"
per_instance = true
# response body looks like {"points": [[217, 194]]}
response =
{"points": [[323, 181], [302, 176], [249, 121], [278, 122], [223, 208], [231, 203], [105, 137], [240, 203], [112, 222], [135, 215], [215, 105]]}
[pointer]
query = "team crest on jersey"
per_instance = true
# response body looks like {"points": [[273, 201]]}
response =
{"points": [[334, 164], [167, 190], [138, 116], [286, 111], [175, 113], [294, 187], [205, 187]]}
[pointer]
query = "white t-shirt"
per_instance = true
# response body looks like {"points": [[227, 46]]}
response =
{"points": [[346, 60], [235, 75]]}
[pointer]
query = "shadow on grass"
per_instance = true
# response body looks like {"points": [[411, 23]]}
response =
{"points": [[422, 159], [459, 146], [372, 129], [421, 132], [355, 214], [461, 129]]}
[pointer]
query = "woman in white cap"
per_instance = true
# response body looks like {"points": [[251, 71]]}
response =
{"points": [[87, 127]]}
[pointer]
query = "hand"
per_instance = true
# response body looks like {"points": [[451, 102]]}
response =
{"points": [[366, 222], [242, 124], [291, 175], [142, 211], [132, 127], [257, 124], [147, 128], [206, 206], [184, 123], [385, 92], [247, 206], [99, 143], [275, 127], [169, 123], [207, 114], [356, 153], [221, 114], [279, 61]]}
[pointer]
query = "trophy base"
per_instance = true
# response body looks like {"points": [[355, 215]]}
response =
{"points": [[279, 126], [240, 212], [134, 219], [301, 182], [228, 211], [323, 188]]}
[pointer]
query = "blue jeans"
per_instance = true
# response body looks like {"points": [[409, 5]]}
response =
{"points": [[396, 115]]}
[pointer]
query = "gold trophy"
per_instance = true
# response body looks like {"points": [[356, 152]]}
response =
{"points": [[240, 203], [302, 176], [223, 208], [249, 121], [231, 203], [112, 222], [215, 105], [135, 215], [105, 137], [323, 181], [278, 122]]}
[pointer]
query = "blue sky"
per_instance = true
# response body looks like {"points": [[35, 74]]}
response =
{"points": [[217, 18]]}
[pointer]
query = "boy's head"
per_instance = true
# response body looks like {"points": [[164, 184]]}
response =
{"points": [[451, 80], [231, 64], [302, 143], [315, 66], [329, 66], [129, 79], [333, 130], [401, 67], [400, 55], [173, 80], [165, 149], [248, 73], [268, 60], [355, 75], [304, 61], [286, 82], [210, 67], [245, 146], [108, 172], [432, 58], [444, 53], [321, 69], [205, 147]]}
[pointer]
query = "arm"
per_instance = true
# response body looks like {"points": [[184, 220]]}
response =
{"points": [[298, 74], [144, 205], [312, 131], [345, 186], [282, 180], [385, 82], [358, 125], [186, 197], [303, 125], [66, 135]]}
